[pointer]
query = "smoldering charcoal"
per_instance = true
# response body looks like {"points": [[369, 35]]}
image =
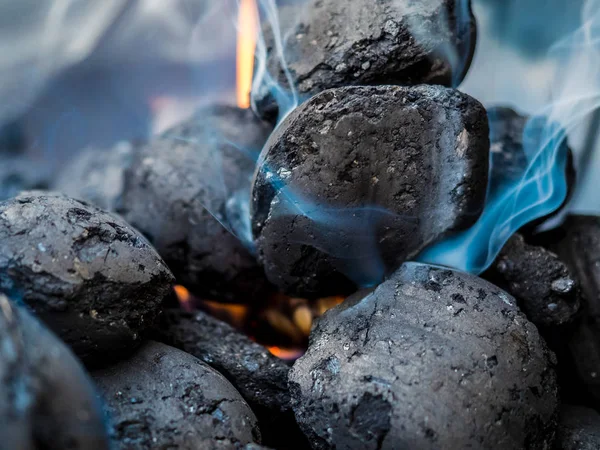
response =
{"points": [[546, 289], [187, 192], [402, 165], [165, 398], [299, 225], [91, 277], [428, 350], [259, 376], [331, 43]]}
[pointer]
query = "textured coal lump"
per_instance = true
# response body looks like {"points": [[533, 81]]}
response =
{"points": [[97, 175], [509, 133], [183, 189], [578, 244], [260, 377], [578, 429], [330, 43], [418, 153], [432, 359], [545, 288], [92, 278], [47, 400], [165, 398]]}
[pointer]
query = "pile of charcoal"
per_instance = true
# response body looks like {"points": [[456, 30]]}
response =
{"points": [[96, 353]]}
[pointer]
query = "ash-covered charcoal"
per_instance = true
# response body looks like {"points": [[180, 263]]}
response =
{"points": [[87, 274], [259, 377], [578, 429], [19, 173], [165, 398], [511, 135], [97, 175], [359, 179], [543, 285], [578, 244], [331, 43], [47, 400], [189, 190], [431, 359]]}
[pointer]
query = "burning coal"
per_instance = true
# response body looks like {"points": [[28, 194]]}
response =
{"points": [[537, 191]]}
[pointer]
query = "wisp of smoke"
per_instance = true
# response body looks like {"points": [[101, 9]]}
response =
{"points": [[541, 188]]}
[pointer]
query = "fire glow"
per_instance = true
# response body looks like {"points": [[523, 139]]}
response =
{"points": [[281, 323], [246, 46]]}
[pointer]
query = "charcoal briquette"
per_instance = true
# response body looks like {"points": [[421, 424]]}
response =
{"points": [[359, 179], [164, 398], [543, 285], [92, 278], [330, 43], [188, 192], [432, 359], [260, 377]]}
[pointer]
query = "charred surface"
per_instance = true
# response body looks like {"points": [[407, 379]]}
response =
{"points": [[543, 285], [330, 44], [431, 359], [164, 398], [93, 279], [413, 161], [188, 191], [260, 377]]}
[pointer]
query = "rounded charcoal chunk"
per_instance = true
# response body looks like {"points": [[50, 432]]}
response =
{"points": [[432, 359], [92, 278], [359, 179], [330, 44], [188, 192], [165, 398]]}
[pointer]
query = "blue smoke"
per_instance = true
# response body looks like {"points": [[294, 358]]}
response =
{"points": [[541, 188], [512, 201]]}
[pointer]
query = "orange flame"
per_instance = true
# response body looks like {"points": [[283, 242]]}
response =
{"points": [[286, 354], [184, 297], [246, 46]]}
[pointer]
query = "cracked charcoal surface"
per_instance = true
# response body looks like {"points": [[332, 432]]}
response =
{"points": [[578, 429], [410, 162], [543, 285], [578, 244], [46, 399], [508, 153], [432, 359], [165, 398], [201, 167], [331, 44], [94, 280], [97, 175], [260, 377]]}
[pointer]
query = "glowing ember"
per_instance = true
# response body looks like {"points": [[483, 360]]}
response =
{"points": [[285, 353], [184, 297], [233, 313], [246, 46], [281, 323]]}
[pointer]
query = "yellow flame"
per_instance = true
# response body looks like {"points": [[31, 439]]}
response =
{"points": [[246, 46]]}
